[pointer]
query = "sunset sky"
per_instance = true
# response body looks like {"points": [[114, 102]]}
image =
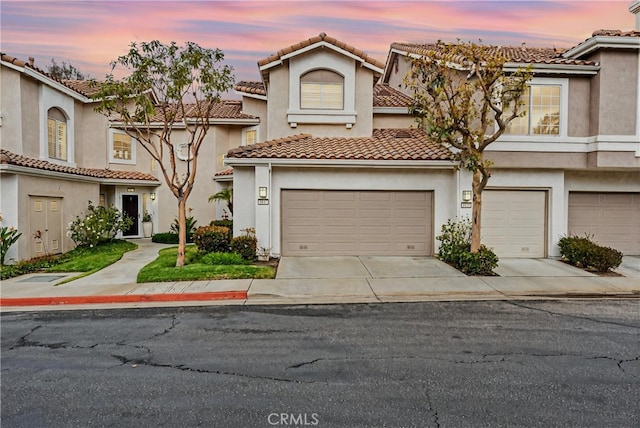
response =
{"points": [[90, 34]]}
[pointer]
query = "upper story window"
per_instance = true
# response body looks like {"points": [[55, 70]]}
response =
{"points": [[56, 134], [322, 89], [122, 147], [250, 137], [542, 107]]}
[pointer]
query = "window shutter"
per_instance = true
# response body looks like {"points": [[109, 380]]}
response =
{"points": [[62, 141], [51, 137]]}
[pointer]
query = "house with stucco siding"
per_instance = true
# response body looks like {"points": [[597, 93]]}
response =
{"points": [[57, 155], [338, 166]]}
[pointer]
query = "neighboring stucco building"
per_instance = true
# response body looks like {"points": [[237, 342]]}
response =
{"points": [[58, 154]]}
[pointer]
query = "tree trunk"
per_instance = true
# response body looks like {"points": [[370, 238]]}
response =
{"points": [[476, 212], [182, 231]]}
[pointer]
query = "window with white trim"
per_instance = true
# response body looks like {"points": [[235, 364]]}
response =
{"points": [[542, 107], [122, 147], [322, 89], [251, 137], [56, 134]]}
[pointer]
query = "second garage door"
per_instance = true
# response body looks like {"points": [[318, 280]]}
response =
{"points": [[613, 219], [336, 222], [513, 222]]}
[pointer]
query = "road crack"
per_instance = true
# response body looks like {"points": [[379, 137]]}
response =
{"points": [[140, 362], [522, 305], [295, 366]]}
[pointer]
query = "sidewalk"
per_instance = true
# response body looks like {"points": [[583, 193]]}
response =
{"points": [[317, 280]]}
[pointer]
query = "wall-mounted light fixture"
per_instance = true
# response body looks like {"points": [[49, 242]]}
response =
{"points": [[262, 192], [466, 196], [131, 189], [152, 196]]}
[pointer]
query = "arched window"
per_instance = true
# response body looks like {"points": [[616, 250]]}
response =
{"points": [[57, 134], [322, 89]]}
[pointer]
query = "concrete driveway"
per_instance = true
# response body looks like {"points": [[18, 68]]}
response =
{"points": [[363, 267]]}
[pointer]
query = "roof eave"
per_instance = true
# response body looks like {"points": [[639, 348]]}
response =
{"points": [[391, 110], [441, 164], [36, 172], [599, 42], [48, 81], [554, 68], [251, 95], [322, 44]]}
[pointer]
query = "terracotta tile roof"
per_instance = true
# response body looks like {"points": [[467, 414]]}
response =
{"points": [[10, 158], [224, 173], [384, 144], [319, 38], [616, 33], [225, 109], [386, 96], [519, 54], [87, 88], [82, 87], [251, 87]]}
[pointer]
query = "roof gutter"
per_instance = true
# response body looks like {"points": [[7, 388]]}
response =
{"points": [[338, 163], [598, 42], [34, 172], [180, 125], [554, 68]]}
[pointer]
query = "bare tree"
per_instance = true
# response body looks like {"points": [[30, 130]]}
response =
{"points": [[169, 88], [65, 71], [465, 99]]}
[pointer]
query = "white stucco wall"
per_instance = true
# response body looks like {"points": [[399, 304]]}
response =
{"points": [[9, 210], [267, 218]]}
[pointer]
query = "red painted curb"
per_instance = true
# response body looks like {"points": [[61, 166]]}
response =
{"points": [[126, 298]]}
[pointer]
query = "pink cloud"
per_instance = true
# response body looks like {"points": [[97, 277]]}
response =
{"points": [[91, 34]]}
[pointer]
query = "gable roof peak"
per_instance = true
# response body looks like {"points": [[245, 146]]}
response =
{"points": [[302, 46]]}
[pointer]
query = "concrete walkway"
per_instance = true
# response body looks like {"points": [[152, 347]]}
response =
{"points": [[307, 280]]}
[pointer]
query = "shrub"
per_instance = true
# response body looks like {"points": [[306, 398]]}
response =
{"points": [[9, 236], [583, 252], [603, 259], [224, 223], [481, 263], [218, 258], [455, 249], [245, 245], [577, 250], [211, 239], [454, 240], [165, 238], [100, 224], [190, 225]]}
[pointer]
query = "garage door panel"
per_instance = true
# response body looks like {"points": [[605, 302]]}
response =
{"points": [[358, 223], [513, 222], [611, 219]]}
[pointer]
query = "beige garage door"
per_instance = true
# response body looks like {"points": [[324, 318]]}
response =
{"points": [[612, 218], [513, 222], [336, 222]]}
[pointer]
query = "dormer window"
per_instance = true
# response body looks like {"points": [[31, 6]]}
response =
{"points": [[322, 89], [56, 134]]}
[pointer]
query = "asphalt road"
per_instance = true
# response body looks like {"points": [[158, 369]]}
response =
{"points": [[468, 364]]}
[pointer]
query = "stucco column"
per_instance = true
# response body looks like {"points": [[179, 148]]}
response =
{"points": [[634, 8], [263, 206]]}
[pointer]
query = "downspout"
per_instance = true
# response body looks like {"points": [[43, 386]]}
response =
{"points": [[271, 226]]}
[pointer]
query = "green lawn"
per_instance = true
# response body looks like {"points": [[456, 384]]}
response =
{"points": [[81, 259], [164, 269]]}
